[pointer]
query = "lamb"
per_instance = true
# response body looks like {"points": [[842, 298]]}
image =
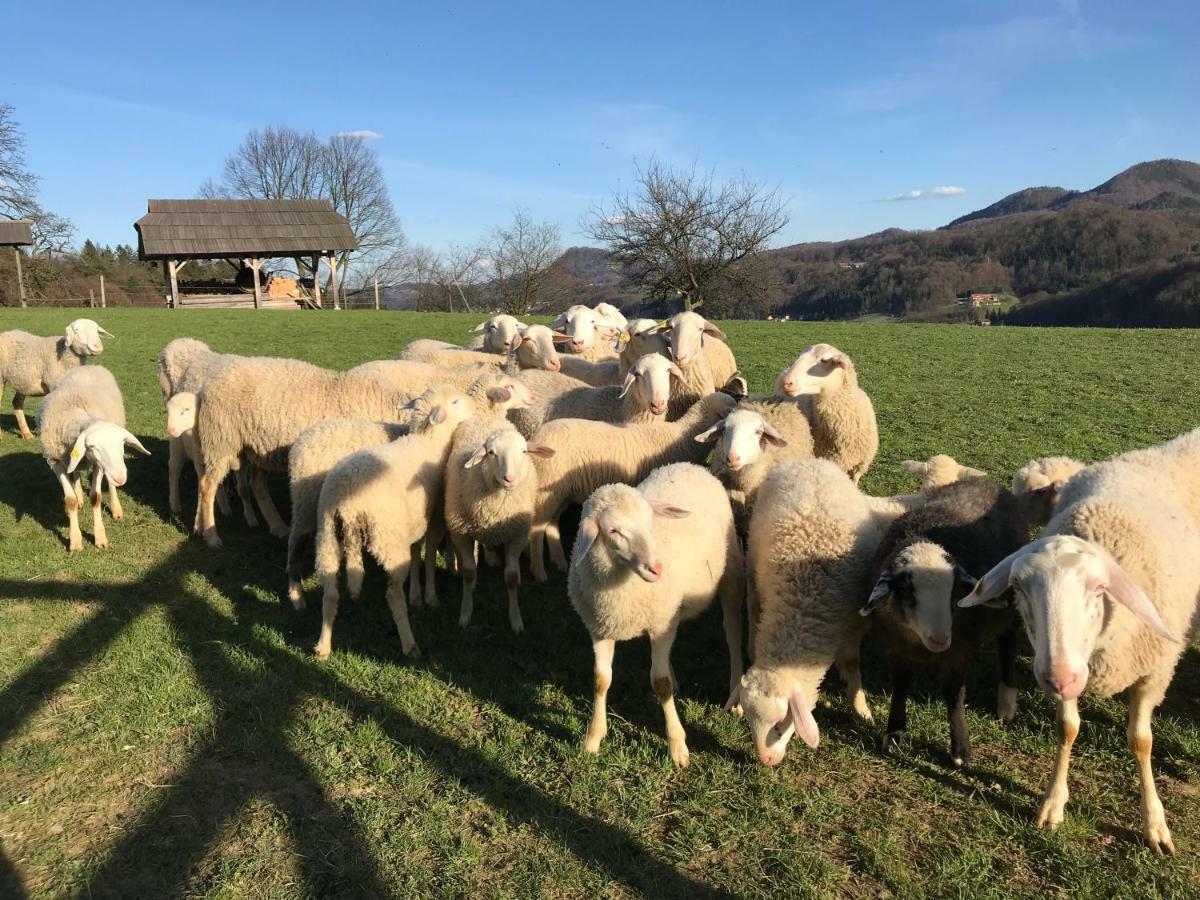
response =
{"points": [[490, 491], [256, 407], [698, 344], [930, 559], [382, 498], [940, 470], [1109, 597], [813, 538], [320, 447], [533, 348], [586, 334], [1039, 483], [841, 413], [32, 364], [83, 418], [498, 334], [647, 559], [643, 397], [590, 454]]}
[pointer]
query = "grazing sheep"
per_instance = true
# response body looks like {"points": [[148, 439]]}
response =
{"points": [[382, 498], [693, 338], [1109, 597], [587, 336], [498, 334], [813, 538], [32, 364], [841, 413], [590, 454], [83, 418], [491, 487], [532, 348], [184, 447], [939, 470], [1039, 483], [929, 559], [647, 559], [254, 409]]}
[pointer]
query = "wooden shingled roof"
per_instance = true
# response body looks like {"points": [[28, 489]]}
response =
{"points": [[204, 229], [16, 232]]}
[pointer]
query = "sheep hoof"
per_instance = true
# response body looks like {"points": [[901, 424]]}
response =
{"points": [[101, 543], [27, 435], [518, 626], [296, 597], [891, 741], [431, 600], [213, 540], [75, 546], [464, 620], [321, 653], [1006, 704], [1051, 813], [1158, 837], [679, 754], [280, 531], [413, 652], [959, 761], [591, 743]]}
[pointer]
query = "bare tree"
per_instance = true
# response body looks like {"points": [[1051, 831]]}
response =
{"points": [[271, 164], [353, 182], [52, 234], [679, 234], [521, 257]]}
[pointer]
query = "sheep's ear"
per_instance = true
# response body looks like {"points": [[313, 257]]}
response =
{"points": [[879, 593], [916, 467], [713, 331], [132, 441], [79, 450], [664, 328], [839, 359], [711, 434], [989, 590], [104, 333], [479, 327], [737, 386], [70, 332], [802, 719], [773, 437], [411, 404], [667, 511], [968, 472], [1124, 590], [677, 373], [630, 377], [499, 394], [437, 415], [559, 337], [476, 458], [589, 530], [542, 451], [964, 577]]}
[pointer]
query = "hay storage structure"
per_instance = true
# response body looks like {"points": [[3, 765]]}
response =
{"points": [[245, 233], [17, 233]]}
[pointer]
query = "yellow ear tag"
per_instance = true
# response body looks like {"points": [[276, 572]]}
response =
{"points": [[623, 339], [75, 454]]}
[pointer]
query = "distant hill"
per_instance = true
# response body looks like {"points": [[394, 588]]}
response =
{"points": [[1029, 200]]}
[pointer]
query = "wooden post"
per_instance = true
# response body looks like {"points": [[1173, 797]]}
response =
{"points": [[377, 294], [20, 277], [317, 281], [169, 273], [91, 299], [333, 278], [255, 265], [103, 299]]}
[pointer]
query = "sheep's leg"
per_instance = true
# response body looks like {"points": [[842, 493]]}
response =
{"points": [[663, 682], [415, 599], [1142, 700], [464, 548], [512, 582], [99, 535], [399, 607], [352, 552], [898, 711], [209, 482], [598, 728], [258, 484], [491, 557], [114, 502], [19, 412], [554, 539], [847, 663], [732, 591], [537, 557], [71, 504], [1055, 798], [751, 613], [175, 460], [242, 481], [79, 489], [433, 540], [329, 610], [223, 501], [299, 543], [1006, 692], [954, 692]]}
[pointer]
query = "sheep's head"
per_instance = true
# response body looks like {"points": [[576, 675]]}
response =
{"points": [[608, 316], [181, 413], [641, 336], [921, 583], [686, 331], [822, 367], [620, 518], [651, 378], [505, 392], [505, 457], [441, 406], [580, 326], [1058, 584], [104, 443], [534, 348], [83, 337], [499, 332], [774, 711], [940, 470], [741, 438], [1039, 483]]}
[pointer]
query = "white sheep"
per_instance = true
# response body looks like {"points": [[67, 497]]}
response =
{"points": [[609, 316], [491, 488], [32, 364], [1038, 484], [382, 498], [1109, 597], [700, 347], [83, 419], [587, 334], [498, 333], [647, 559], [841, 413], [590, 454], [939, 470], [532, 348], [638, 338]]}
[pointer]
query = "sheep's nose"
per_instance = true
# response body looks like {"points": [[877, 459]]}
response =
{"points": [[789, 385], [1064, 682], [554, 365], [658, 408], [656, 568], [940, 640], [734, 459], [768, 757], [510, 479]]}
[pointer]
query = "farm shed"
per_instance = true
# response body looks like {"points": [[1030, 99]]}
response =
{"points": [[17, 233], [245, 233]]}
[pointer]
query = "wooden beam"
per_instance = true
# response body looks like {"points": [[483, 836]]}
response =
{"points": [[333, 278], [20, 277], [103, 299], [255, 265], [316, 275], [169, 275], [377, 294]]}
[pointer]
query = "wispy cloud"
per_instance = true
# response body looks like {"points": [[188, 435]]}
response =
{"points": [[365, 134], [942, 190]]}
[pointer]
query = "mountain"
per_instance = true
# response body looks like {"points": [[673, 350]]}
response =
{"points": [[1028, 200]]}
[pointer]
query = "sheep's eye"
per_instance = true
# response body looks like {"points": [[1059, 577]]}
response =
{"points": [[615, 531]]}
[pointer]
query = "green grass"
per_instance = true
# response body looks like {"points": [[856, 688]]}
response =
{"points": [[164, 730]]}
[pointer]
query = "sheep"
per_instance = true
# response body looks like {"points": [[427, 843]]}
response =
{"points": [[647, 559], [813, 538], [696, 342], [609, 316], [590, 454], [643, 397], [1109, 597], [383, 497], [1039, 483], [498, 334], [929, 559], [841, 413], [32, 364], [83, 418], [255, 408], [635, 340], [939, 470], [490, 491], [533, 348], [587, 335]]}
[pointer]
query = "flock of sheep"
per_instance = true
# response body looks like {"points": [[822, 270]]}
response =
{"points": [[487, 445]]}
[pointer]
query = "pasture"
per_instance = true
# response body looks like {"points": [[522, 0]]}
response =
{"points": [[165, 730]]}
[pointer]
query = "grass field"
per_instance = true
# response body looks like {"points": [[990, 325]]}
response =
{"points": [[165, 731]]}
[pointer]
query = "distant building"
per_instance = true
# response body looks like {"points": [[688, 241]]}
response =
{"points": [[980, 301]]}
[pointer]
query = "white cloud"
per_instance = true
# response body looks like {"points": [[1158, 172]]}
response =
{"points": [[947, 190], [942, 190], [364, 133]]}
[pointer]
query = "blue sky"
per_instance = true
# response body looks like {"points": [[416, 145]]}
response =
{"points": [[483, 107]]}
